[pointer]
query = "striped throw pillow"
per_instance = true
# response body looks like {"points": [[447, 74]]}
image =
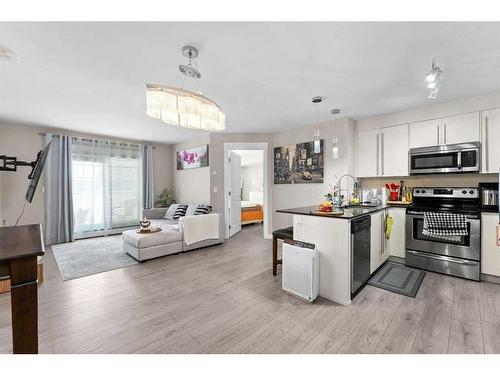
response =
{"points": [[180, 211], [203, 209]]}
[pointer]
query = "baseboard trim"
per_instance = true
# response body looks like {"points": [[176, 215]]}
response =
{"points": [[396, 259], [490, 278]]}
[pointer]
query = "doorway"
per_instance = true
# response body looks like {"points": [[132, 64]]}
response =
{"points": [[245, 187]]}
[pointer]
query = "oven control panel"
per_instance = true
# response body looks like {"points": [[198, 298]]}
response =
{"points": [[440, 192]]}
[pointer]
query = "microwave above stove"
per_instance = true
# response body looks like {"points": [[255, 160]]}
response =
{"points": [[456, 158]]}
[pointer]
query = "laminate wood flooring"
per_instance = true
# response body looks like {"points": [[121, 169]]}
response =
{"points": [[224, 299]]}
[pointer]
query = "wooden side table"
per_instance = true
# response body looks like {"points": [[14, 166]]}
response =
{"points": [[19, 248]]}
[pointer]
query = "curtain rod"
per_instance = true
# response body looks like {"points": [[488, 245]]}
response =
{"points": [[94, 139]]}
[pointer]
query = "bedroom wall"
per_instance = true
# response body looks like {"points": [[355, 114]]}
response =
{"points": [[24, 142], [306, 194], [192, 185], [252, 177]]}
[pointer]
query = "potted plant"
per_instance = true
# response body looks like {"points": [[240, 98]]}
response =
{"points": [[165, 199]]}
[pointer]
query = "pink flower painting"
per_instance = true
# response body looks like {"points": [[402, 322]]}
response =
{"points": [[196, 157]]}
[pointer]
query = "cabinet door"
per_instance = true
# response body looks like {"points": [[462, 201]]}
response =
{"points": [[491, 140], [368, 153], [425, 133], [394, 143], [461, 128], [396, 245], [490, 253], [376, 241]]}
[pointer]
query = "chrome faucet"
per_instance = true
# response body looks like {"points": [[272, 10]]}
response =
{"points": [[339, 182]]}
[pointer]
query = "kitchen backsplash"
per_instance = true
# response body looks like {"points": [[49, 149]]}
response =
{"points": [[455, 180]]}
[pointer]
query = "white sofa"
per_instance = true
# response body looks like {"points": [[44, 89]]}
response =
{"points": [[187, 233]]}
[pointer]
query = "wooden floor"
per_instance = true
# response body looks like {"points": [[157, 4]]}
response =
{"points": [[224, 299]]}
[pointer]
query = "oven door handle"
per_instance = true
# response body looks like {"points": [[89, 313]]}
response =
{"points": [[469, 217], [442, 257], [415, 213]]}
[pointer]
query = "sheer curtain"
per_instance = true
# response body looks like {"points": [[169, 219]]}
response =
{"points": [[107, 185]]}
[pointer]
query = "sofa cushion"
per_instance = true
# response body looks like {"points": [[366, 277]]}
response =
{"points": [[171, 211], [151, 239]]}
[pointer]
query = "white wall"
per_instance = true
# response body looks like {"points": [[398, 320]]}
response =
{"points": [[307, 194], [192, 185], [24, 142], [252, 178]]}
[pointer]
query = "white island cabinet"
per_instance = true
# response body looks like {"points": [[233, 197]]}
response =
{"points": [[332, 238]]}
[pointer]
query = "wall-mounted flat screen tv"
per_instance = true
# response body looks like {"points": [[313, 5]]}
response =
{"points": [[36, 172]]}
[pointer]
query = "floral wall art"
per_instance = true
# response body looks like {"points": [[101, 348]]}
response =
{"points": [[195, 157]]}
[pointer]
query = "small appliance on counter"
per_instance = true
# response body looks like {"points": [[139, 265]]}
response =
{"points": [[488, 191]]}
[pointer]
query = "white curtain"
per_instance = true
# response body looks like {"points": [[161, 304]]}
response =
{"points": [[147, 176], [107, 185]]}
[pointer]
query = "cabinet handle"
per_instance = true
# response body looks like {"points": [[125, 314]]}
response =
{"points": [[378, 153], [438, 135], [486, 143], [444, 130], [382, 155]]}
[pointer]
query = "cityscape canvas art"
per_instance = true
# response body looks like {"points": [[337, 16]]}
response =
{"points": [[195, 157], [299, 163]]}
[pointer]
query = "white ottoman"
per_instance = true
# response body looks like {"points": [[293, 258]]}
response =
{"points": [[151, 245]]}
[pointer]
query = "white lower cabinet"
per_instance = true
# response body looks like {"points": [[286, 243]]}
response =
{"points": [[396, 245], [378, 250], [490, 253]]}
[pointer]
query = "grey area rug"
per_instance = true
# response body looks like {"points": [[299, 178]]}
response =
{"points": [[398, 278], [91, 256]]}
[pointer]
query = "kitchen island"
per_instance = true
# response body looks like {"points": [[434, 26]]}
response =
{"points": [[332, 236]]}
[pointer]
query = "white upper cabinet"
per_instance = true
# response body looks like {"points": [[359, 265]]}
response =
{"points": [[425, 133], [394, 148], [460, 129], [491, 140], [369, 153]]}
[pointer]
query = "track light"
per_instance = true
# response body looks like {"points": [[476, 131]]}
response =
{"points": [[433, 93]]}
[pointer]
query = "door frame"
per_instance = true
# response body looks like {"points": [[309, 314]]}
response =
{"points": [[247, 146]]}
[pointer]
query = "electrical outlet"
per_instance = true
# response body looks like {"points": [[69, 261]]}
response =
{"points": [[498, 235], [215, 189]]}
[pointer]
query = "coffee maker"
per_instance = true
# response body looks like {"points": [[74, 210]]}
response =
{"points": [[488, 191]]}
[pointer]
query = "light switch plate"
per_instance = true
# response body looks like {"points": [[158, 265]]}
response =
{"points": [[498, 235], [215, 189]]}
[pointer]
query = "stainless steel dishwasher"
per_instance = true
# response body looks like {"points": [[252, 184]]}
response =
{"points": [[360, 252]]}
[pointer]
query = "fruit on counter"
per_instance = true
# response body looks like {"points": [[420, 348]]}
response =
{"points": [[326, 207]]}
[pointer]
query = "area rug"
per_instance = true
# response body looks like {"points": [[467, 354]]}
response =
{"points": [[91, 256], [398, 278]]}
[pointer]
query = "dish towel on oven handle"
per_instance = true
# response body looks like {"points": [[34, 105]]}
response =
{"points": [[445, 225]]}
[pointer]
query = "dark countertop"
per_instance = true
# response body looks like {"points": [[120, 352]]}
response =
{"points": [[349, 213]]}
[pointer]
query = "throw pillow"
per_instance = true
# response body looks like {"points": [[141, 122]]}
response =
{"points": [[170, 212], [180, 211], [203, 209], [191, 210]]}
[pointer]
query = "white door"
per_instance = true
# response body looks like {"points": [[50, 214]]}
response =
{"points": [[491, 140], [234, 193], [425, 133], [368, 153], [461, 129], [395, 151]]}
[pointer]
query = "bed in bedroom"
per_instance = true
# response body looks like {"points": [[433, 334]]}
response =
{"points": [[251, 210]]}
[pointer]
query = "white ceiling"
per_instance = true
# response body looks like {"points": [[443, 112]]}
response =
{"points": [[250, 157], [91, 77]]}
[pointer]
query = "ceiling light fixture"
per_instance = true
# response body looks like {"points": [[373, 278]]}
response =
{"points": [[180, 107], [335, 140], [432, 79], [317, 141]]}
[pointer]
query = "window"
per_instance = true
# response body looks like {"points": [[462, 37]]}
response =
{"points": [[107, 185]]}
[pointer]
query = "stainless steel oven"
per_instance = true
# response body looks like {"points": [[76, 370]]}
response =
{"points": [[456, 158], [458, 256]]}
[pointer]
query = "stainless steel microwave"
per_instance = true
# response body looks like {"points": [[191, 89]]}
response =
{"points": [[456, 158]]}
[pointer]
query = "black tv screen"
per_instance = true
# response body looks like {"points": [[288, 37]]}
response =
{"points": [[35, 174]]}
